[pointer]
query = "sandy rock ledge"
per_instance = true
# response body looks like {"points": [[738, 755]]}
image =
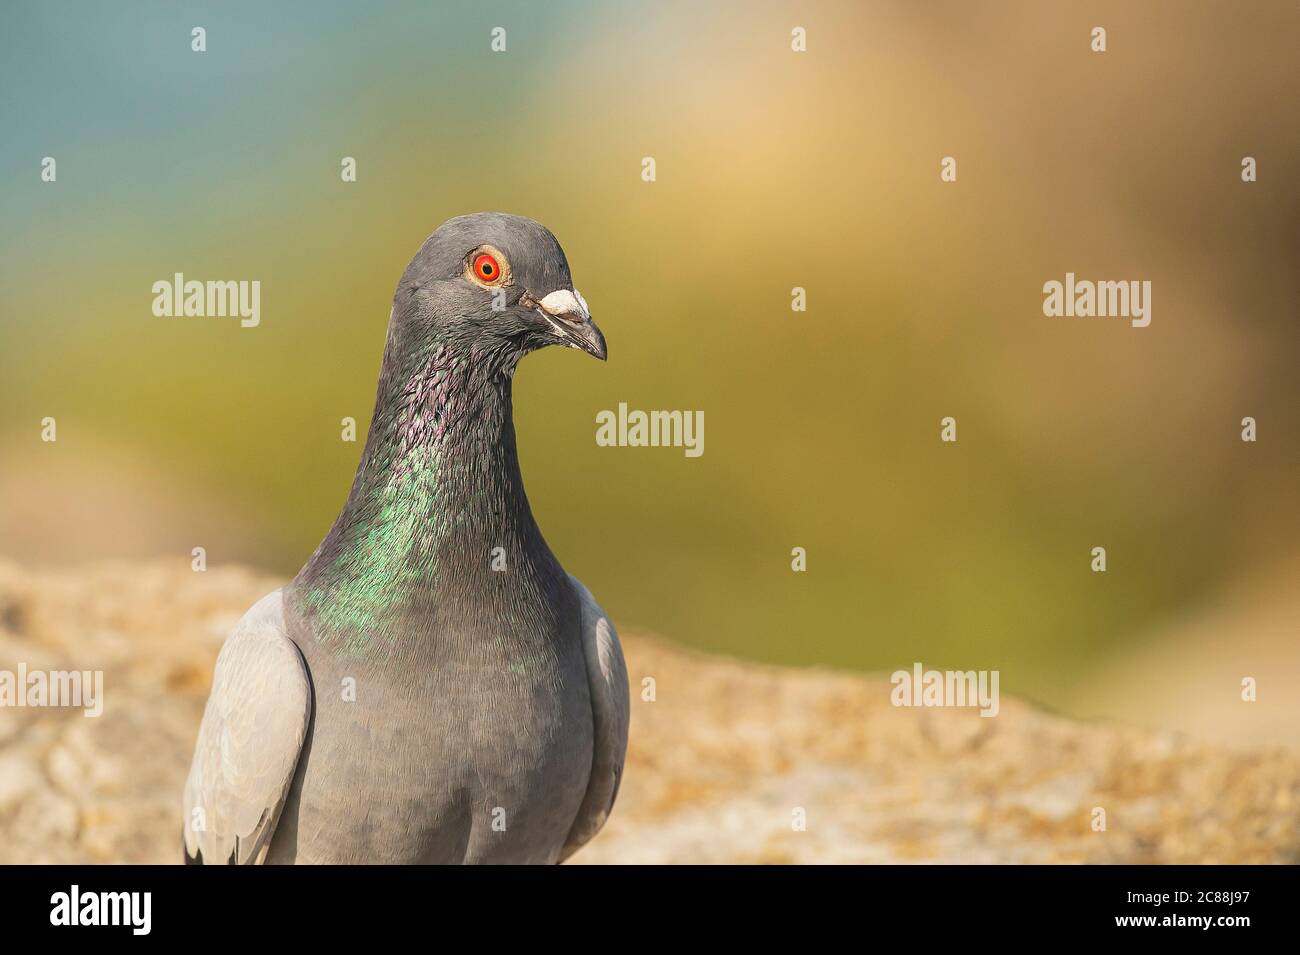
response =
{"points": [[718, 762]]}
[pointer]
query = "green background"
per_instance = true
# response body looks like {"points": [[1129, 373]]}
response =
{"points": [[775, 170]]}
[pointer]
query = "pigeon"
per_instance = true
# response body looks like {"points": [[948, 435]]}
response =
{"points": [[432, 687]]}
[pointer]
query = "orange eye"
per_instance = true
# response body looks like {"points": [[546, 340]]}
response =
{"points": [[486, 267]]}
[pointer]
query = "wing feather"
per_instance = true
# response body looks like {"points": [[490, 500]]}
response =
{"points": [[249, 742], [607, 676]]}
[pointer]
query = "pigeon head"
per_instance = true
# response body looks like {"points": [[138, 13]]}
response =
{"points": [[493, 287]]}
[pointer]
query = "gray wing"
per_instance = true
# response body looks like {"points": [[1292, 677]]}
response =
{"points": [[607, 676], [252, 734]]}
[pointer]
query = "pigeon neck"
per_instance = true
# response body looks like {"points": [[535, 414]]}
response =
{"points": [[437, 505]]}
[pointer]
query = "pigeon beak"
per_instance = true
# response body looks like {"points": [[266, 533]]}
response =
{"points": [[567, 313]]}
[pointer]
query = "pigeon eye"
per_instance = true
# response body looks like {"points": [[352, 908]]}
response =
{"points": [[486, 268]]}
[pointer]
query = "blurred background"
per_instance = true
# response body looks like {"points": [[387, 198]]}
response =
{"points": [[775, 169]]}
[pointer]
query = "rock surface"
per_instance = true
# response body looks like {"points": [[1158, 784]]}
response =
{"points": [[722, 761]]}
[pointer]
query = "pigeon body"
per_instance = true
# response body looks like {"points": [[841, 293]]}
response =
{"points": [[432, 686]]}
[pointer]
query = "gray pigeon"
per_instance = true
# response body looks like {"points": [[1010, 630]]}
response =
{"points": [[432, 686]]}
